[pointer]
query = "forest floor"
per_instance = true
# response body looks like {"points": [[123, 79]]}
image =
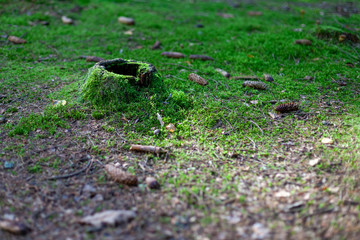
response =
{"points": [[234, 168]]}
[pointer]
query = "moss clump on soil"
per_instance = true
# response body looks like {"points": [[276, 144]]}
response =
{"points": [[330, 32], [118, 81]]}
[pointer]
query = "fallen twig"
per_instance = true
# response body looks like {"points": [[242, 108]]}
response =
{"points": [[152, 149], [257, 126], [72, 174]]}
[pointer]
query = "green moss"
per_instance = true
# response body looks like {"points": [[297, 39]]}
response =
{"points": [[117, 82]]}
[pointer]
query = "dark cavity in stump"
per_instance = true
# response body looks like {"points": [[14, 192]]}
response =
{"points": [[138, 73]]}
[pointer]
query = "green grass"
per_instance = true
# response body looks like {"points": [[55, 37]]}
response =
{"points": [[207, 158]]}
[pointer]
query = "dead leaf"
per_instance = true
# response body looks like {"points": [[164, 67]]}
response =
{"points": [[342, 37], [282, 194], [314, 161], [225, 15], [129, 32], [171, 128], [254, 13], [58, 103], [327, 141], [126, 20], [333, 189], [156, 45], [173, 54], [94, 59], [14, 227], [109, 217], [16, 40], [308, 78], [259, 231], [303, 42], [67, 20], [201, 57]]}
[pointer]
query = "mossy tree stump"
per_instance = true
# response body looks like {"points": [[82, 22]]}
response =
{"points": [[117, 81]]}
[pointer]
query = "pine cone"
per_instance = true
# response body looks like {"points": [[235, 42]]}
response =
{"points": [[287, 107], [120, 176], [268, 78], [255, 84], [196, 78], [152, 183]]}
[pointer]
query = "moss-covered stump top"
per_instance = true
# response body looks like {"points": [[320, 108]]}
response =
{"points": [[117, 81]]}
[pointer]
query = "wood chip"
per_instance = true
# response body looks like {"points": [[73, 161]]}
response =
{"points": [[142, 148], [67, 20], [173, 54], [201, 57], [156, 45], [126, 20], [303, 42], [223, 72], [196, 78], [94, 59], [225, 15], [16, 40]]}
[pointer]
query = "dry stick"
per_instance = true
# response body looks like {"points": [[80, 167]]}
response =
{"points": [[252, 141], [257, 126], [228, 122], [144, 148], [72, 174]]}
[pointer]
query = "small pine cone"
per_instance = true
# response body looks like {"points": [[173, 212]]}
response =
{"points": [[255, 84], [196, 78], [268, 78], [173, 54], [94, 59], [152, 183], [16, 40], [287, 107], [120, 176]]}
